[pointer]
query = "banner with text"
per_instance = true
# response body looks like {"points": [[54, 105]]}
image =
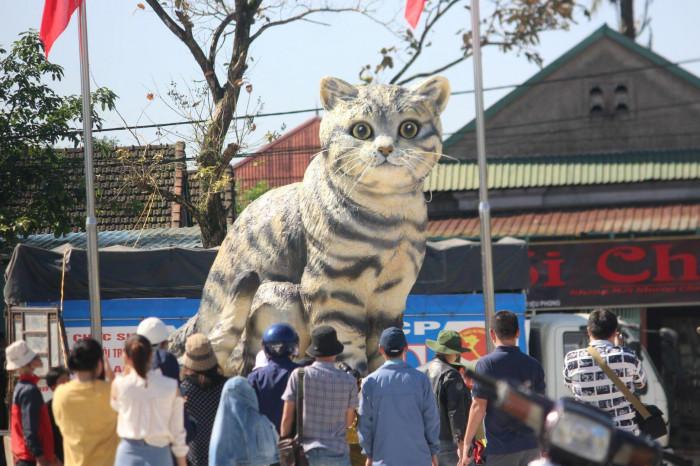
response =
{"points": [[614, 273]]}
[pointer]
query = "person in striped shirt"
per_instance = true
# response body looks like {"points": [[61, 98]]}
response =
{"points": [[590, 384]]}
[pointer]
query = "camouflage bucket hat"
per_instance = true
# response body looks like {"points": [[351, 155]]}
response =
{"points": [[448, 342]]}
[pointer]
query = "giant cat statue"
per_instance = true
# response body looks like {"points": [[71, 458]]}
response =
{"points": [[344, 246]]}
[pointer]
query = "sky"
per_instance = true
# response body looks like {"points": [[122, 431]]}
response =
{"points": [[134, 54]]}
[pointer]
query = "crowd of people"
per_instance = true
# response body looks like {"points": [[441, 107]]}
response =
{"points": [[158, 414]]}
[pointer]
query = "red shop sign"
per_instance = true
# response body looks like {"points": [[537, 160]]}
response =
{"points": [[614, 273]]}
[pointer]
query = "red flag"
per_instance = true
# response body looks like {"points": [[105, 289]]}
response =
{"points": [[56, 17], [414, 8]]}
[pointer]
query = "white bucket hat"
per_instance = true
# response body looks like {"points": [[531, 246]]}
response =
{"points": [[154, 329], [18, 354]]}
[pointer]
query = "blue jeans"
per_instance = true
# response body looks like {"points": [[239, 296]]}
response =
{"points": [[324, 457], [139, 453]]}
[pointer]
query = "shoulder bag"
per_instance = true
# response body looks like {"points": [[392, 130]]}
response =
{"points": [[649, 418], [290, 449]]}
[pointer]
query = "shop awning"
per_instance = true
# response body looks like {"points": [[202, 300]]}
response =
{"points": [[568, 170], [676, 218]]}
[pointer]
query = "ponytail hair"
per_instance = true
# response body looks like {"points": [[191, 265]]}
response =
{"points": [[139, 351]]}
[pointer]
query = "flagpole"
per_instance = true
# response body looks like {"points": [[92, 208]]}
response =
{"points": [[91, 220], [484, 206]]}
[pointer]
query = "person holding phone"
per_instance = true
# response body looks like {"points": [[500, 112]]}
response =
{"points": [[82, 409]]}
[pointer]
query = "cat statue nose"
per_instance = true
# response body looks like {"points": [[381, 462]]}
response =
{"points": [[386, 150]]}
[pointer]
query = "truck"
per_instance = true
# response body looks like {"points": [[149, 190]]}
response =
{"points": [[46, 297]]}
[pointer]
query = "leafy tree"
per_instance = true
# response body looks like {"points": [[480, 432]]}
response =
{"points": [[251, 194], [219, 36], [33, 118]]}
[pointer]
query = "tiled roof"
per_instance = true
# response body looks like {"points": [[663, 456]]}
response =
{"points": [[573, 170], [194, 190], [120, 204], [677, 218], [155, 238]]}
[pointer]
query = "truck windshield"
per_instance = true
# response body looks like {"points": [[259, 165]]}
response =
{"points": [[574, 341]]}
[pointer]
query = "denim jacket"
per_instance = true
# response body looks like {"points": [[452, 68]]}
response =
{"points": [[241, 435]]}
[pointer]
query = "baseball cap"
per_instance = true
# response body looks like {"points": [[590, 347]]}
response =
{"points": [[393, 341], [154, 329]]}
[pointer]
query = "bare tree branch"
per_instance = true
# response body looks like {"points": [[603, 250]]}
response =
{"points": [[216, 35], [170, 196], [430, 22], [426, 74], [298, 17], [185, 35]]}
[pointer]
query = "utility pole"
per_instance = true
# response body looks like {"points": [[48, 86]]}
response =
{"points": [[484, 206], [93, 259]]}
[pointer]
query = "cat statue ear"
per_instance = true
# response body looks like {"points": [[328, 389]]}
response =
{"points": [[437, 89], [334, 90]]}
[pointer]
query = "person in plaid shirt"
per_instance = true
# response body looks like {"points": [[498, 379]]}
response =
{"points": [[330, 400]]}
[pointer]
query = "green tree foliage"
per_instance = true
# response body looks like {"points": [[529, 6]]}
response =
{"points": [[33, 119], [251, 194]]}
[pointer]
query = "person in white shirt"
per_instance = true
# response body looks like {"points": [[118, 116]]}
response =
{"points": [[150, 411]]}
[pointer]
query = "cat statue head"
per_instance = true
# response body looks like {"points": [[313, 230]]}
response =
{"points": [[381, 139]]}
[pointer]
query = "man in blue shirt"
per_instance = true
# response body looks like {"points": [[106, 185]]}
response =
{"points": [[508, 442], [408, 430], [280, 342]]}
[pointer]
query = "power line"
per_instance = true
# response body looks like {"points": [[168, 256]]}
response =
{"points": [[492, 128], [468, 91], [190, 122], [584, 76], [310, 150], [587, 117]]}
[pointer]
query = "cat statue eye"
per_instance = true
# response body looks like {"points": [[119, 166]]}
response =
{"points": [[361, 131], [409, 129]]}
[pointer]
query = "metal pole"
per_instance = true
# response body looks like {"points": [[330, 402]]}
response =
{"points": [[91, 220], [484, 207]]}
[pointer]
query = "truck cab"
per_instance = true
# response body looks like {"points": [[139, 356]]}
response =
{"points": [[552, 335]]}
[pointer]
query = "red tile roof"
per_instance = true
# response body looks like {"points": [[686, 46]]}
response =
{"points": [[676, 218]]}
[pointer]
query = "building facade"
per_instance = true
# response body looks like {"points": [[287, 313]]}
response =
{"points": [[595, 161]]}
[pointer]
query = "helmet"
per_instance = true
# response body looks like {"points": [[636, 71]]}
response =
{"points": [[154, 329], [280, 340]]}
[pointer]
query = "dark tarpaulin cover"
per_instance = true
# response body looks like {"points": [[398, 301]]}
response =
{"points": [[454, 266], [34, 274]]}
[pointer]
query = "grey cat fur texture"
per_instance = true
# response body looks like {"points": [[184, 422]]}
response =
{"points": [[344, 246]]}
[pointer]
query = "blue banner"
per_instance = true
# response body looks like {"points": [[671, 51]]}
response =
{"points": [[424, 317]]}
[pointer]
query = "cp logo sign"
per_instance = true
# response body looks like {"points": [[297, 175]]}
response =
{"points": [[474, 338]]}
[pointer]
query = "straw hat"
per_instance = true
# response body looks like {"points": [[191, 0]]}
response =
{"points": [[199, 355]]}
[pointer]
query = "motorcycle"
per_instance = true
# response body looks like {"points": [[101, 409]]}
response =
{"points": [[572, 433]]}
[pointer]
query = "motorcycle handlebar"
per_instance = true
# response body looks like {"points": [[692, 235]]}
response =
{"points": [[532, 410]]}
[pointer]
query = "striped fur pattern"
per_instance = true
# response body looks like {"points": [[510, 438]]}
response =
{"points": [[344, 246]]}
